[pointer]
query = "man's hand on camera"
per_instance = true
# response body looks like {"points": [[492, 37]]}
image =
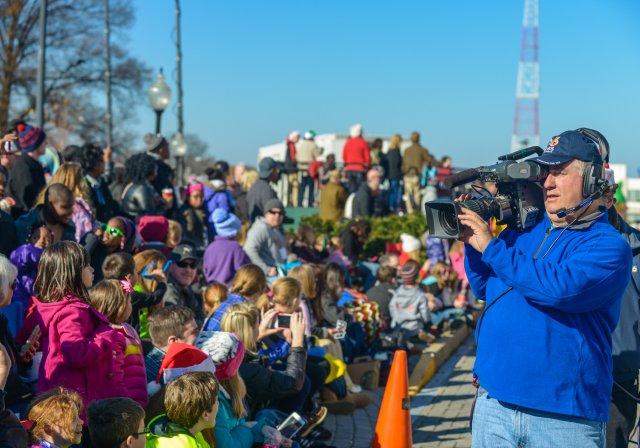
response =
{"points": [[473, 230]]}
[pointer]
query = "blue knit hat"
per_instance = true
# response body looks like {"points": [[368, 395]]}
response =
{"points": [[226, 224]]}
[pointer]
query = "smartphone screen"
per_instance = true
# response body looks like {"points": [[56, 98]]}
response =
{"points": [[292, 425]]}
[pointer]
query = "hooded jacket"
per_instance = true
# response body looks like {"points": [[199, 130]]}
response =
{"points": [[77, 350], [25, 258], [553, 299], [231, 431], [408, 309], [36, 218], [223, 257], [356, 155], [166, 434]]}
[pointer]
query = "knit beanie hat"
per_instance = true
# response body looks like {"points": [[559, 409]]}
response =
{"points": [[183, 358], [409, 243], [226, 224], [409, 272], [153, 228], [225, 349], [29, 137]]}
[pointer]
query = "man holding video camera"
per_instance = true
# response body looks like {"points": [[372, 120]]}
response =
{"points": [[553, 295]]}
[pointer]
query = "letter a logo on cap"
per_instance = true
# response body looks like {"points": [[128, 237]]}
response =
{"points": [[552, 144]]}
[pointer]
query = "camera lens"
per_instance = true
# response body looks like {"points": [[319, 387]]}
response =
{"points": [[448, 221]]}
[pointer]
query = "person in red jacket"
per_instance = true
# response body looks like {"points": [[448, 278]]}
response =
{"points": [[356, 157]]}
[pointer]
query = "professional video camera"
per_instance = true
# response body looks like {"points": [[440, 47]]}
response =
{"points": [[518, 204]]}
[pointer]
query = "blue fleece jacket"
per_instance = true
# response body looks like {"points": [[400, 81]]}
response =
{"points": [[546, 344]]}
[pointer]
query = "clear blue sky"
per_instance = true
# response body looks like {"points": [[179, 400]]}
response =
{"points": [[254, 70]]}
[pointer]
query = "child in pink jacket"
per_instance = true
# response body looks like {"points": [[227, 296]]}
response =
{"points": [[77, 352], [113, 299]]}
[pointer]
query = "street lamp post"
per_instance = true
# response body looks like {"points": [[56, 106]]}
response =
{"points": [[178, 148], [159, 96], [42, 44]]}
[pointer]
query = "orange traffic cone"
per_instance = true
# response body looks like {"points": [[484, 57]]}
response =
{"points": [[393, 429]]}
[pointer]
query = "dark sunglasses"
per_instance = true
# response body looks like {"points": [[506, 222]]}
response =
{"points": [[276, 212], [113, 231], [187, 264]]}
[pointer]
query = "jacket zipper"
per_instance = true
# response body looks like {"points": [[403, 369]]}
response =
{"points": [[546, 235]]}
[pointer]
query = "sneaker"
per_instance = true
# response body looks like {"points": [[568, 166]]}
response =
{"points": [[314, 419]]}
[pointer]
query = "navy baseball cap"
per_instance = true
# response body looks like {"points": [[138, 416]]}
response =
{"points": [[568, 146]]}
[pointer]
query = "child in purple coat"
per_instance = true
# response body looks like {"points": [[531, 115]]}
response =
{"points": [[26, 258], [224, 256]]}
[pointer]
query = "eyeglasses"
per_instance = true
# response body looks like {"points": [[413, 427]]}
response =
{"points": [[187, 264], [113, 231], [276, 212], [134, 434]]}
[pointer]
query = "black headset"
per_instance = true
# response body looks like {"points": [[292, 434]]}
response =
{"points": [[593, 181]]}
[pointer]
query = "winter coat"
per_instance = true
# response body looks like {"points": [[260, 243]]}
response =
{"points": [[77, 350], [215, 199], [307, 152], [25, 183], [265, 245], [17, 390], [333, 198], [257, 197], [231, 431], [82, 218], [212, 323], [36, 218], [382, 294], [356, 155], [135, 377], [408, 309], [556, 294], [223, 257], [9, 239], [25, 258], [101, 197], [392, 163], [194, 225], [141, 199], [363, 202], [164, 177], [166, 434], [415, 158], [626, 337], [184, 296], [264, 384]]}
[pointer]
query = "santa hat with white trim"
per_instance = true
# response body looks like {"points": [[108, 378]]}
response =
{"points": [[184, 358]]}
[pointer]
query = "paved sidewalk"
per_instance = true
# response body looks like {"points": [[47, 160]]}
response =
{"points": [[440, 412], [355, 430]]}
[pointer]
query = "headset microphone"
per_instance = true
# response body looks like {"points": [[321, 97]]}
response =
{"points": [[563, 212]]}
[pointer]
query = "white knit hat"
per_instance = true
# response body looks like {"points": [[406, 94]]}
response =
{"points": [[410, 243], [355, 130]]}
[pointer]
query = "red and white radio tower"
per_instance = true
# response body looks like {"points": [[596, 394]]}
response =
{"points": [[526, 127]]}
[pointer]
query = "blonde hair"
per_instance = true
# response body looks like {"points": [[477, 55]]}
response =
{"points": [[249, 282], [174, 234], [189, 396], [108, 297], [214, 294], [394, 141], [70, 175], [58, 407], [144, 258], [286, 292], [242, 319], [307, 279], [237, 390], [248, 178]]}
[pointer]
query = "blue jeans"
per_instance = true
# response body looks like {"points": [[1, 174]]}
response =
{"points": [[306, 183], [395, 195], [500, 425]]}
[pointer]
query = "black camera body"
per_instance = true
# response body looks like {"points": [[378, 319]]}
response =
{"points": [[519, 203]]}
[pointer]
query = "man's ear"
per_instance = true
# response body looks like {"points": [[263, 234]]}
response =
{"points": [[171, 340], [128, 442]]}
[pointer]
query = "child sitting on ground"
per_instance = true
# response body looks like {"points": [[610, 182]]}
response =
{"points": [[55, 419], [112, 298], [116, 423], [191, 404], [408, 307]]}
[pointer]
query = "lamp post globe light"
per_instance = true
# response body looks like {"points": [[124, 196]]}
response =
{"points": [[159, 96]]}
